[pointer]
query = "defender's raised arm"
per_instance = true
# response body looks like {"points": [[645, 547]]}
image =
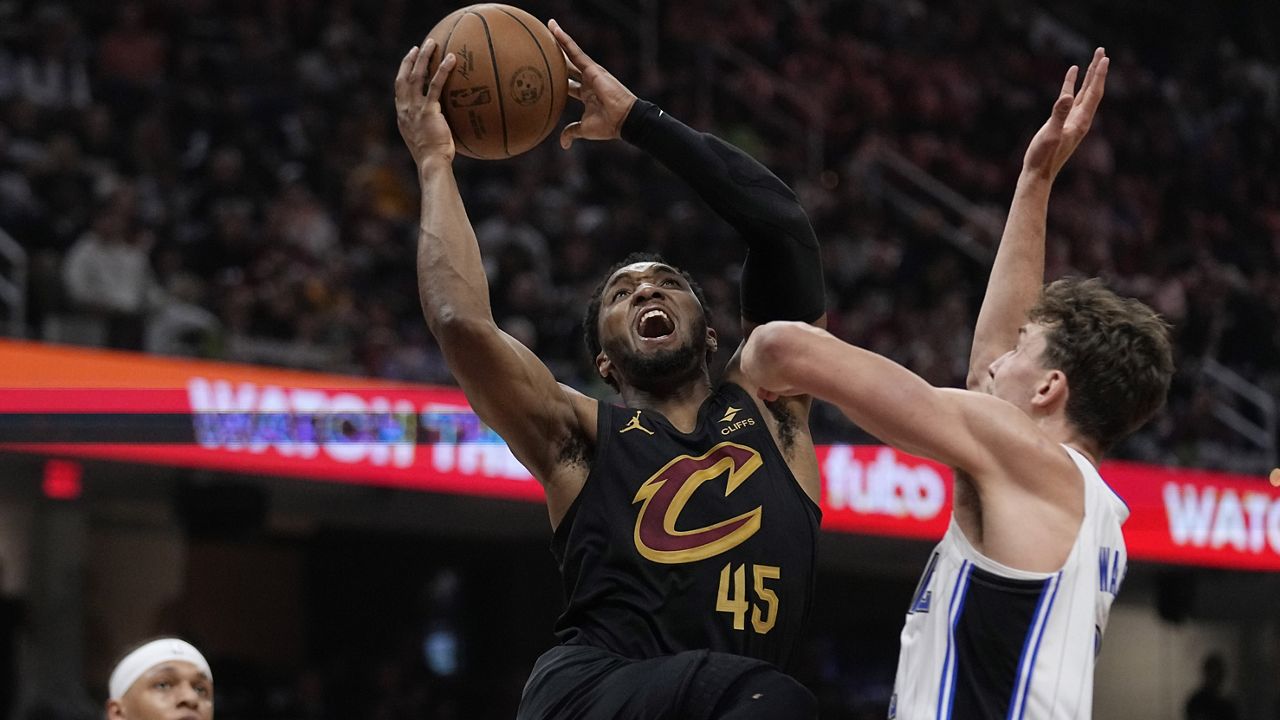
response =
{"points": [[1018, 273]]}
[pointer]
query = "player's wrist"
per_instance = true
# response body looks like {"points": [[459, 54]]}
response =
{"points": [[433, 164], [1035, 180], [639, 120]]}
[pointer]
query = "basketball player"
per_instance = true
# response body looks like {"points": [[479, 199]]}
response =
{"points": [[1007, 618], [685, 521], [162, 679]]}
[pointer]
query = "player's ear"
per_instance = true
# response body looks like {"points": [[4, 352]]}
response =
{"points": [[1051, 391], [604, 365], [115, 711], [713, 342]]}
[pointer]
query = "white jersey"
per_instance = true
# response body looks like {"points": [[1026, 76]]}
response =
{"points": [[983, 640]]}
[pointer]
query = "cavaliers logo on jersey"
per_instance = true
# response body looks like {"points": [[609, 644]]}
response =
{"points": [[666, 493]]}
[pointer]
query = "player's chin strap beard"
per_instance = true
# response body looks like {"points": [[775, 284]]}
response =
{"points": [[662, 370]]}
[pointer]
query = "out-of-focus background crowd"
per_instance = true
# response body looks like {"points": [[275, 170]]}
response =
{"points": [[224, 179]]}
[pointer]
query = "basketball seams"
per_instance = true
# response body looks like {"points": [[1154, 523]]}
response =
{"points": [[444, 50], [515, 78], [497, 81], [551, 105]]}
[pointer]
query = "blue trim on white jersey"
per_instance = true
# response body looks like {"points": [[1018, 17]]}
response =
{"points": [[1115, 494], [1027, 665], [946, 688]]}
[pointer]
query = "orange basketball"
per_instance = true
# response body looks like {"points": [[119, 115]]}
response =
{"points": [[509, 87]]}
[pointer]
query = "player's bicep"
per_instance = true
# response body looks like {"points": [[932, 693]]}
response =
{"points": [[882, 397], [996, 445], [1012, 449], [514, 393], [985, 437], [922, 420]]}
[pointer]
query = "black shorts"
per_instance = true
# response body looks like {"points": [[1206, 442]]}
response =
{"points": [[579, 682]]}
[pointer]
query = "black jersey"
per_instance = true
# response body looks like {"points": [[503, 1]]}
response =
{"points": [[686, 541]]}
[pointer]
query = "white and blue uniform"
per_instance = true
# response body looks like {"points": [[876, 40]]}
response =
{"points": [[983, 640]]}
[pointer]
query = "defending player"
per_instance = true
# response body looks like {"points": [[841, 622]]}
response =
{"points": [[685, 523], [1007, 617]]}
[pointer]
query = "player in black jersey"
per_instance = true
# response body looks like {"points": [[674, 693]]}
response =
{"points": [[685, 523]]}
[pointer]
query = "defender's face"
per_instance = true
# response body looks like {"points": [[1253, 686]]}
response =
{"points": [[649, 312], [1016, 375], [173, 690]]}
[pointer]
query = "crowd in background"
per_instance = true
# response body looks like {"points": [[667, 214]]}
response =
{"points": [[223, 178]]}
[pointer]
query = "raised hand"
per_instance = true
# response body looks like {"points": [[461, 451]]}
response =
{"points": [[605, 100], [422, 124], [1070, 120]]}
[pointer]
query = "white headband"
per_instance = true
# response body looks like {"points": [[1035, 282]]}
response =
{"points": [[150, 655]]}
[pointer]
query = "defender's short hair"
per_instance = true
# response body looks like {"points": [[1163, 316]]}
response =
{"points": [[1115, 352]]}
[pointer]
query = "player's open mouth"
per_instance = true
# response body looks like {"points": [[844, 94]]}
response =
{"points": [[655, 325]]}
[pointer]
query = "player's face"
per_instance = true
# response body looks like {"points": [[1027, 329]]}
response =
{"points": [[1017, 374], [651, 324], [173, 690]]}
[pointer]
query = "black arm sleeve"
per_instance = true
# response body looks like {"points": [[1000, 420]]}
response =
{"points": [[782, 275]]}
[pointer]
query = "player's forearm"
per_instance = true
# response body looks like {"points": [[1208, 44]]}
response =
{"points": [[737, 186], [882, 397], [1017, 276], [451, 281], [782, 276]]}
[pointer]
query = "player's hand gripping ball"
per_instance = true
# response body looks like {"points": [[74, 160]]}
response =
{"points": [[509, 85]]}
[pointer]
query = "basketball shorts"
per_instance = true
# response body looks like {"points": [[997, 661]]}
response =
{"points": [[580, 682]]}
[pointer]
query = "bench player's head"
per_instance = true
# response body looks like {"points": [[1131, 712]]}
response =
{"points": [[162, 679], [648, 326], [1101, 361]]}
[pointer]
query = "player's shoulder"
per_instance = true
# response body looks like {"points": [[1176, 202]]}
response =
{"points": [[1008, 437], [984, 409]]}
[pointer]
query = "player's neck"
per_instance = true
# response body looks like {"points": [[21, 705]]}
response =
{"points": [[1060, 430], [679, 404]]}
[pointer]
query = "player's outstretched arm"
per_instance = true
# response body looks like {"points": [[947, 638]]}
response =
{"points": [[509, 388], [1018, 273], [782, 277], [984, 436]]}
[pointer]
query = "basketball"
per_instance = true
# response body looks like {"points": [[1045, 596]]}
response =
{"points": [[509, 87]]}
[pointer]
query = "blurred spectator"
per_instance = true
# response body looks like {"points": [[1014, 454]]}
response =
{"points": [[53, 73], [1208, 701], [179, 325], [108, 272], [132, 56], [12, 611]]}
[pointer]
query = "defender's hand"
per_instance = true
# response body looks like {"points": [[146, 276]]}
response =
{"points": [[1070, 121], [605, 100], [422, 125]]}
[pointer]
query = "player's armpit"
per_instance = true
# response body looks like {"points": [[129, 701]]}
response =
{"points": [[788, 420]]}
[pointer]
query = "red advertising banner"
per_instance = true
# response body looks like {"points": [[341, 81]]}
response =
{"points": [[77, 402]]}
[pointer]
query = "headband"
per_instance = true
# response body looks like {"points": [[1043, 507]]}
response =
{"points": [[150, 655]]}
